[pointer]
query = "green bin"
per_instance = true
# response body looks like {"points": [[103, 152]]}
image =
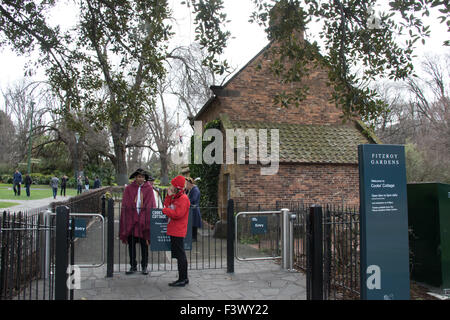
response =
{"points": [[429, 220]]}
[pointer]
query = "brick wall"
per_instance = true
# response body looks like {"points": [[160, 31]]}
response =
{"points": [[256, 88], [319, 183]]}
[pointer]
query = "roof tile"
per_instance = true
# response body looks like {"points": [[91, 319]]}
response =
{"points": [[301, 143]]}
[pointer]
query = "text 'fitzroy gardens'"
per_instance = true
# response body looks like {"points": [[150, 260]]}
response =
{"points": [[256, 149]]}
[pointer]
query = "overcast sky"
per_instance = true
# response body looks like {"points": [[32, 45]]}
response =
{"points": [[247, 39]]}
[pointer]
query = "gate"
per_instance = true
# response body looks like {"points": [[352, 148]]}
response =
{"points": [[326, 248], [209, 251], [26, 263], [265, 235], [37, 253]]}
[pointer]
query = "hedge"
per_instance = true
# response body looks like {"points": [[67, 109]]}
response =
{"points": [[209, 178]]}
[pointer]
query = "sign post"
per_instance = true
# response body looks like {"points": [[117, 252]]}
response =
{"points": [[159, 240], [384, 223]]}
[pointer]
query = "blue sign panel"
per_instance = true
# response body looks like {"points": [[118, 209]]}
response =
{"points": [[384, 223], [80, 227], [259, 225], [159, 240]]}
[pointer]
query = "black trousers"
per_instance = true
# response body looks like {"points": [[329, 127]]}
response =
{"points": [[132, 251], [16, 191], [177, 245], [63, 189]]}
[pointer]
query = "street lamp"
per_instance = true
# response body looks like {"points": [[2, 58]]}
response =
{"points": [[30, 139], [77, 137]]}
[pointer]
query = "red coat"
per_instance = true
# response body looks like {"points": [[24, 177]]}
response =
{"points": [[132, 223], [177, 209]]}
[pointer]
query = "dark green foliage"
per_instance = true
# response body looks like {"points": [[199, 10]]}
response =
{"points": [[209, 175]]}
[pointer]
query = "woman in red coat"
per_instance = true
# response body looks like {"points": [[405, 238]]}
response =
{"points": [[137, 203], [176, 208]]}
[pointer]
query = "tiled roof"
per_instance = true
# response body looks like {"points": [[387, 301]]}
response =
{"points": [[301, 143]]}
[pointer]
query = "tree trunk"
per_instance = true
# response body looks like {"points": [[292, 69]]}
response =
{"points": [[164, 168], [120, 164]]}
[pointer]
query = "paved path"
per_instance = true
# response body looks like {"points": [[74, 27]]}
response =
{"points": [[252, 280], [31, 204]]}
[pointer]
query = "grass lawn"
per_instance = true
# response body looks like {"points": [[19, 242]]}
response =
{"points": [[4, 204], [36, 192]]}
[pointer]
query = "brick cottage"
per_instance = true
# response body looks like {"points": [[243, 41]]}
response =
{"points": [[318, 159]]}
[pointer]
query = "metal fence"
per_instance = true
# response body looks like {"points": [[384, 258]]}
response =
{"points": [[28, 248], [209, 251], [340, 245], [23, 256]]}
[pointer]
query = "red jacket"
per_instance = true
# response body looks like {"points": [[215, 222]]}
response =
{"points": [[132, 223], [176, 207]]}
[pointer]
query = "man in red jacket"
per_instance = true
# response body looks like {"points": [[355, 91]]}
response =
{"points": [[176, 208], [137, 203]]}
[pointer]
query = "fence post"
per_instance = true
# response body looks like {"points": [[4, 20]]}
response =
{"points": [[62, 252], [3, 255], [314, 275], [110, 240], [287, 240], [230, 236], [72, 249], [103, 197]]}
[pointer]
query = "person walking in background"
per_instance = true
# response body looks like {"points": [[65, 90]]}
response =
{"points": [[17, 181], [176, 207], [86, 183], [137, 202], [193, 193], [63, 185], [54, 184], [28, 181], [97, 183], [79, 185]]}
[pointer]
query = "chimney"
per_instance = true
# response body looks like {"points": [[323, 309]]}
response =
{"points": [[286, 19]]}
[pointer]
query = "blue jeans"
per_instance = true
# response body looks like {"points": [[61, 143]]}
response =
{"points": [[55, 192]]}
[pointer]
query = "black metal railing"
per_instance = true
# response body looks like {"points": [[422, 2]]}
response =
{"points": [[209, 251], [26, 263], [340, 245]]}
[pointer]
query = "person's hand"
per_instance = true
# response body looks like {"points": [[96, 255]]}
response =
{"points": [[148, 242]]}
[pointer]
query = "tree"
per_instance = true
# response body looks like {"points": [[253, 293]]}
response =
{"points": [[7, 133], [120, 46], [420, 117], [117, 45], [358, 47], [161, 124], [189, 79]]}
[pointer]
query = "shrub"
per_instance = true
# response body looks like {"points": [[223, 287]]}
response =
{"points": [[209, 178]]}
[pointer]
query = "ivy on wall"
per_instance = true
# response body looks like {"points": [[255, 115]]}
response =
{"points": [[209, 178]]}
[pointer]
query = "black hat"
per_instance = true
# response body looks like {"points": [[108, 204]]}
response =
{"points": [[144, 173]]}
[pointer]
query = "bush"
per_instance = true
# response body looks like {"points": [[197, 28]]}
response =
{"points": [[6, 178], [209, 178], [39, 178]]}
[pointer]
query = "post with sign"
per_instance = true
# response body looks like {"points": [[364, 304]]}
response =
{"points": [[159, 240], [61, 252], [384, 223]]}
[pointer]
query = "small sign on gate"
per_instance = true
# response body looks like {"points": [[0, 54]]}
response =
{"points": [[259, 225], [80, 228]]}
